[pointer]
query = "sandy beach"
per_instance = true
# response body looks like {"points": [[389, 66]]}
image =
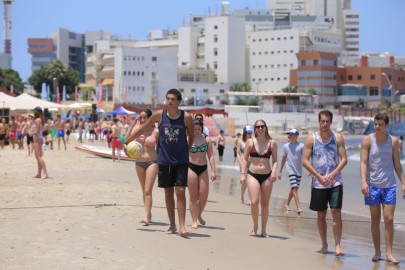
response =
{"points": [[85, 216]]}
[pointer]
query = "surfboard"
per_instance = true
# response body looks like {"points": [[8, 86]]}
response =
{"points": [[101, 151]]}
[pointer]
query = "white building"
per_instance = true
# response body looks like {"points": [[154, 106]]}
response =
{"points": [[143, 75]]}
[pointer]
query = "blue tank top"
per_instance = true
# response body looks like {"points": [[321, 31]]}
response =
{"points": [[325, 158], [172, 147], [380, 166]]}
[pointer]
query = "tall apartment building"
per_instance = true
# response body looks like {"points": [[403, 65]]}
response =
{"points": [[64, 45], [42, 52]]}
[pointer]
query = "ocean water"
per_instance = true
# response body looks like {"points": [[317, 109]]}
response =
{"points": [[353, 201]]}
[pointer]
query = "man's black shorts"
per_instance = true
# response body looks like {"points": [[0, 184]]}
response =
{"points": [[172, 175], [321, 197]]}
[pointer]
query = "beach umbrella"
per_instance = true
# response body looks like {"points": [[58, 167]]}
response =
{"points": [[57, 95], [48, 93], [64, 93], [76, 95], [43, 93], [100, 95]]}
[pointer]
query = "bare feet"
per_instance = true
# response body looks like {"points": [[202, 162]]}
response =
{"points": [[37, 176], [184, 233], [299, 211], [253, 233], [172, 229], [45, 176], [376, 258], [323, 250], [144, 222], [201, 220], [287, 208], [339, 251], [194, 225], [391, 259]]}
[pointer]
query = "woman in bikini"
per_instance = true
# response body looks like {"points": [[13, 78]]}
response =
{"points": [[146, 165], [36, 133], [260, 174], [197, 182]]}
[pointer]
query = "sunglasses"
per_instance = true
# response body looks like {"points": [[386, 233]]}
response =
{"points": [[260, 127]]}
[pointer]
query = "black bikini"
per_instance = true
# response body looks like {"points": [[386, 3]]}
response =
{"points": [[198, 169], [253, 153]]}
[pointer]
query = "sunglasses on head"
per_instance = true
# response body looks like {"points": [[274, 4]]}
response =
{"points": [[260, 126]]}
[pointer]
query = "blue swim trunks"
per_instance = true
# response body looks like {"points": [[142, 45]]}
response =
{"points": [[60, 133], [381, 195]]}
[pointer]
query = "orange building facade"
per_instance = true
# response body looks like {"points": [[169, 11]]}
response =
{"points": [[360, 86]]}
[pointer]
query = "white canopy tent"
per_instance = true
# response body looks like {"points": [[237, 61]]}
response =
{"points": [[5, 100], [28, 102], [78, 105]]}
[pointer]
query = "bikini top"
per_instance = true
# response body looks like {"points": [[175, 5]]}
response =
{"points": [[254, 153], [150, 141], [201, 148]]}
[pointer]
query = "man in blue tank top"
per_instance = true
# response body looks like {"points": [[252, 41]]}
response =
{"points": [[324, 156], [379, 158], [172, 155]]}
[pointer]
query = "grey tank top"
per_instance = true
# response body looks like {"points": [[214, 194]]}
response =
{"points": [[380, 166]]}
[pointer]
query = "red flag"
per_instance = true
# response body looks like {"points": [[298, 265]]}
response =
{"points": [[57, 95], [76, 95], [100, 95]]}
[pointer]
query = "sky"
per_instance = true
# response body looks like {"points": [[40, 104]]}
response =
{"points": [[381, 21]]}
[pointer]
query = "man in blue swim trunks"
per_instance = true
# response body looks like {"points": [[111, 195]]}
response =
{"points": [[379, 158], [60, 130]]}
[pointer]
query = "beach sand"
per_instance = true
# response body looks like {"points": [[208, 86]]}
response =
{"points": [[85, 216]]}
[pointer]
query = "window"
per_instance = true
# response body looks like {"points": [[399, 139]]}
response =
{"points": [[316, 63], [125, 73], [215, 51], [181, 90], [215, 38], [350, 78], [359, 77], [221, 91], [215, 26], [154, 58], [373, 91], [193, 90], [302, 62], [205, 90]]}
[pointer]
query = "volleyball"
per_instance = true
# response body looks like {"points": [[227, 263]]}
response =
{"points": [[134, 149]]}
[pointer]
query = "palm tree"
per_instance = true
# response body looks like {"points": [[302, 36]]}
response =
{"points": [[56, 70]]}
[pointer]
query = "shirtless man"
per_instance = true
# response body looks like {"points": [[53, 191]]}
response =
{"points": [[3, 130], [12, 131], [20, 135], [116, 139], [26, 129], [60, 130]]}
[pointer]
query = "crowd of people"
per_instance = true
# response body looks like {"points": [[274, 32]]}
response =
{"points": [[178, 151]]}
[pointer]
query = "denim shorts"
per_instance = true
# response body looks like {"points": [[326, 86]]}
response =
{"points": [[378, 196]]}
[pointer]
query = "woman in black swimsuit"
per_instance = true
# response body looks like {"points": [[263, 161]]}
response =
{"points": [[197, 182], [261, 174]]}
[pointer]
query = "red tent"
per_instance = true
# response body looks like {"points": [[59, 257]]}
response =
{"points": [[208, 112]]}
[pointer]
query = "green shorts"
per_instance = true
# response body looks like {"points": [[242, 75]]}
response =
{"points": [[321, 197]]}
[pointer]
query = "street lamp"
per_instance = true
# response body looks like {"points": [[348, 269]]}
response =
{"points": [[391, 88], [257, 91]]}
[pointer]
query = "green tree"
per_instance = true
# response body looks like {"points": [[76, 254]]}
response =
{"points": [[312, 91], [85, 93], [38, 77], [10, 77], [55, 74], [241, 87], [290, 89]]}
